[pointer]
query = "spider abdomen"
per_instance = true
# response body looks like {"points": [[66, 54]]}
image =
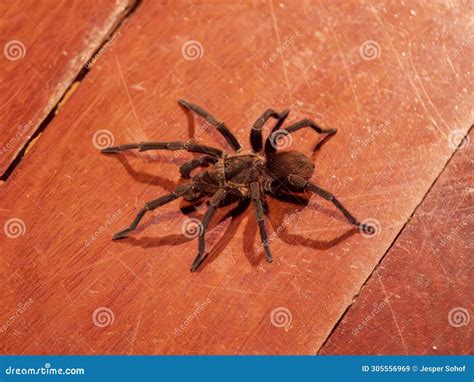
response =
{"points": [[284, 163]]}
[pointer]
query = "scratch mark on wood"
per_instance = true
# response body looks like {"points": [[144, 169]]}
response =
{"points": [[403, 68], [393, 313], [423, 87], [122, 78], [277, 33]]}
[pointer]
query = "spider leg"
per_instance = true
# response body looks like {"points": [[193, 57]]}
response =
{"points": [[269, 149], [302, 184], [189, 166], [219, 125], [144, 146], [257, 198], [151, 205], [214, 203], [256, 132]]}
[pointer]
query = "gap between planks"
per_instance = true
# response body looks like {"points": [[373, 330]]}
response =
{"points": [[129, 11], [338, 322]]}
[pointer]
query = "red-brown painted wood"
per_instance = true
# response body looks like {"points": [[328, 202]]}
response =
{"points": [[44, 45], [396, 112], [420, 299]]}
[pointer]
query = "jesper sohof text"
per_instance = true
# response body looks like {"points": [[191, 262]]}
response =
{"points": [[442, 369]]}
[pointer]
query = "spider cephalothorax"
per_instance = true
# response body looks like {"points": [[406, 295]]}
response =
{"points": [[241, 176]]}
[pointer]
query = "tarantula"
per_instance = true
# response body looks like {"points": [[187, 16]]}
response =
{"points": [[239, 176]]}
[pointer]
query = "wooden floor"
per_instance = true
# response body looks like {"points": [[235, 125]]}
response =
{"points": [[395, 78]]}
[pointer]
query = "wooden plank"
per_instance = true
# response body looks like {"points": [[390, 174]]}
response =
{"points": [[398, 116], [420, 300], [45, 44]]}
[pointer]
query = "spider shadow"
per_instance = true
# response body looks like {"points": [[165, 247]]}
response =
{"points": [[145, 177], [252, 247], [157, 180], [237, 215], [190, 209], [293, 204], [194, 133], [286, 214]]}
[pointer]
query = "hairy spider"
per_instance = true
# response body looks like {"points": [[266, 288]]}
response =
{"points": [[240, 176]]}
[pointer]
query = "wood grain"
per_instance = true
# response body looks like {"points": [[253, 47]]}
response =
{"points": [[420, 300], [45, 44], [396, 112]]}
